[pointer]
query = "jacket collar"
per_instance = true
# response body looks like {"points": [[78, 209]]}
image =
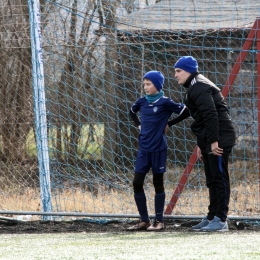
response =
{"points": [[188, 81]]}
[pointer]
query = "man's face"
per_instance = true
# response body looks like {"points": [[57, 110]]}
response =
{"points": [[149, 87], [181, 76]]}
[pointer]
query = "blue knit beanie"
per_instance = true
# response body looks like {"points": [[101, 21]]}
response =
{"points": [[187, 63], [156, 77]]}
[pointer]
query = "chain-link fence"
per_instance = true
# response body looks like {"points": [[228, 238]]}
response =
{"points": [[66, 137]]}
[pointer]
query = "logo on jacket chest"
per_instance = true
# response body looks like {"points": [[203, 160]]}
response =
{"points": [[155, 109]]}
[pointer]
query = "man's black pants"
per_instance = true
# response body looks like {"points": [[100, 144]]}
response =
{"points": [[218, 183]]}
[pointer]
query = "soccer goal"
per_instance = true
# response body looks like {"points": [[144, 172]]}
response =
{"points": [[84, 63]]}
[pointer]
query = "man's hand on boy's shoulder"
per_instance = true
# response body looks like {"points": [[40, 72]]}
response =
{"points": [[166, 129]]}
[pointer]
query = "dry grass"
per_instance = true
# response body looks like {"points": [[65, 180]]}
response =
{"points": [[193, 201], [245, 199]]}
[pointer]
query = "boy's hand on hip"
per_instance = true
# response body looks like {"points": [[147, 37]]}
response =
{"points": [[215, 149]]}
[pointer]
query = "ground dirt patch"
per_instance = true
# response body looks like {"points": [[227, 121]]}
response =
{"points": [[107, 226]]}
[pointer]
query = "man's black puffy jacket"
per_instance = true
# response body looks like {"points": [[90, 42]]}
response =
{"points": [[210, 113]]}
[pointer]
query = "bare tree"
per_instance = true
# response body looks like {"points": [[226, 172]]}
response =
{"points": [[16, 109], [73, 107], [16, 113], [109, 84]]}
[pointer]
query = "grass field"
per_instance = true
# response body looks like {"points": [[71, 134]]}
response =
{"points": [[150, 246]]}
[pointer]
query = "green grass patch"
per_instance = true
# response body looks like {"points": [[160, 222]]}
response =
{"points": [[89, 145], [143, 245]]}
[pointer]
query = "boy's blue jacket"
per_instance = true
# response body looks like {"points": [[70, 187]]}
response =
{"points": [[154, 118]]}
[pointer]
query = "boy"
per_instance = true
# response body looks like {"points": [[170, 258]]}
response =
{"points": [[155, 110]]}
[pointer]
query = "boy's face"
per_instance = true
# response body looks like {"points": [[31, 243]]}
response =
{"points": [[181, 76], [149, 87]]}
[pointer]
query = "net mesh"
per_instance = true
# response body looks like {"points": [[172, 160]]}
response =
{"points": [[95, 54]]}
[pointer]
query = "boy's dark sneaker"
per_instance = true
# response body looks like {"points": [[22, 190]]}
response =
{"points": [[139, 226], [157, 225]]}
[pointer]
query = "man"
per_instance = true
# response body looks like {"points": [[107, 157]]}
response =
{"points": [[215, 138]]}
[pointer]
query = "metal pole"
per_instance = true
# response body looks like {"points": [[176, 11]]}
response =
{"points": [[258, 93], [98, 215], [142, 72], [39, 105]]}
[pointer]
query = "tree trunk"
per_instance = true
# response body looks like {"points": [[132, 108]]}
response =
{"points": [[110, 125], [16, 113]]}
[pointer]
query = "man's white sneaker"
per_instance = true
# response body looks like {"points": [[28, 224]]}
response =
{"points": [[202, 224], [216, 225]]}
